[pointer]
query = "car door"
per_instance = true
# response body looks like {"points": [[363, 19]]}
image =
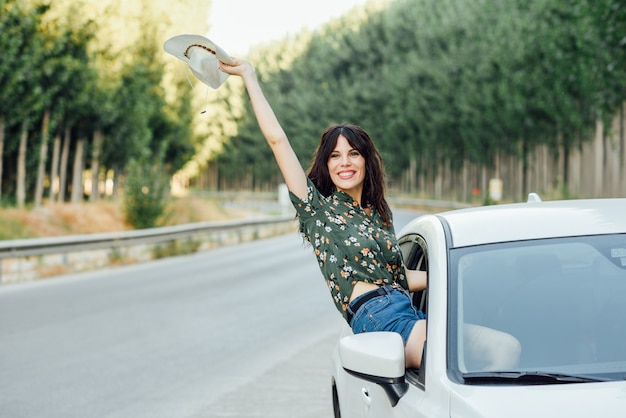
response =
{"points": [[376, 402], [413, 395]]}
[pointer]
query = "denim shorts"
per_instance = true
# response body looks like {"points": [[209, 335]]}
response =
{"points": [[393, 311]]}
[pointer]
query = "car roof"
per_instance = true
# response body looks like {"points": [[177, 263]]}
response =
{"points": [[535, 220]]}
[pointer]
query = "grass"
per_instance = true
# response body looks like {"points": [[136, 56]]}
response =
{"points": [[12, 228]]}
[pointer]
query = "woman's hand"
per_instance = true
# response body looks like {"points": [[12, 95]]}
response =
{"points": [[240, 68]]}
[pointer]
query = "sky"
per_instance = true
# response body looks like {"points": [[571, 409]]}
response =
{"points": [[238, 25]]}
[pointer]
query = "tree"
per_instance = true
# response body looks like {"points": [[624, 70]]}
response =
{"points": [[70, 78], [20, 70]]}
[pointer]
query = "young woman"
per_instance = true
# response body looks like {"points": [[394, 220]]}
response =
{"points": [[344, 215]]}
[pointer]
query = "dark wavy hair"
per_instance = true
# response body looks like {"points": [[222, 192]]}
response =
{"points": [[374, 183]]}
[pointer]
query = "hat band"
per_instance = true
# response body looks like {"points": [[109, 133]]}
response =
{"points": [[186, 53]]}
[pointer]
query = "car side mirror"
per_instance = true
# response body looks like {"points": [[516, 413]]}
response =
{"points": [[376, 357]]}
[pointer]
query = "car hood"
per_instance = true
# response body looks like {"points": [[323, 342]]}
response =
{"points": [[579, 400]]}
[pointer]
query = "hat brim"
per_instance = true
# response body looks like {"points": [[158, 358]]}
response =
{"points": [[179, 46]]}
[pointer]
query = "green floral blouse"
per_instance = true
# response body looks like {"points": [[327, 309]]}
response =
{"points": [[350, 245]]}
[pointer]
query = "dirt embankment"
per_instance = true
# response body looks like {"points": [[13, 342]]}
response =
{"points": [[95, 217]]}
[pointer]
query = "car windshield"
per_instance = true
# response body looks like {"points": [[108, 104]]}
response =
{"points": [[563, 299]]}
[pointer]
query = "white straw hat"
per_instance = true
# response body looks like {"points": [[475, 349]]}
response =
{"points": [[202, 55]]}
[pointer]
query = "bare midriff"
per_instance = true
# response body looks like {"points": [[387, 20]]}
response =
{"points": [[361, 288]]}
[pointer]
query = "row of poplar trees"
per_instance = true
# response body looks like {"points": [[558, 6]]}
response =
{"points": [[82, 98], [86, 91], [443, 82]]}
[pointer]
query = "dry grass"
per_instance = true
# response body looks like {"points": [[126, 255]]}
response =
{"points": [[95, 217], [192, 209]]}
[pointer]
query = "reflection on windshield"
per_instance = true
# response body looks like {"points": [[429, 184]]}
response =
{"points": [[563, 299]]}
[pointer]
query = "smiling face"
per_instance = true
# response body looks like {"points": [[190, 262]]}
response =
{"points": [[346, 167]]}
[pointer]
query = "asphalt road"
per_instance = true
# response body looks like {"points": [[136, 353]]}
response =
{"points": [[243, 331]]}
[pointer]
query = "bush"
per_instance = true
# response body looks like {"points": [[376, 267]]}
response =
{"points": [[146, 195]]}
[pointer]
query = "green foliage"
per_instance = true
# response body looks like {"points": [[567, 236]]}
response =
{"points": [[22, 61], [440, 82], [435, 82], [145, 194], [55, 57]]}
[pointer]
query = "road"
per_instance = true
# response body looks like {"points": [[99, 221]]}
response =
{"points": [[242, 331]]}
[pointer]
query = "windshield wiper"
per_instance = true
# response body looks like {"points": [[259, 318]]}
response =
{"points": [[526, 378]]}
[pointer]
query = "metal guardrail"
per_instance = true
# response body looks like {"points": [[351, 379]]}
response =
{"points": [[427, 203], [34, 258], [74, 243]]}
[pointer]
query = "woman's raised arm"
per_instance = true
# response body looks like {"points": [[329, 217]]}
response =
{"points": [[274, 134]]}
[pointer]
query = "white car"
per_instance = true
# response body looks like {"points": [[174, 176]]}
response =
{"points": [[551, 274]]}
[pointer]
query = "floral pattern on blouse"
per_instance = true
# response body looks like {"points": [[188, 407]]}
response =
{"points": [[350, 246]]}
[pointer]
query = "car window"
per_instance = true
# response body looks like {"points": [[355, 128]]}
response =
{"points": [[415, 255], [563, 299]]}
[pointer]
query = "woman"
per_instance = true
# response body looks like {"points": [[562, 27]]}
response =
{"points": [[344, 215]]}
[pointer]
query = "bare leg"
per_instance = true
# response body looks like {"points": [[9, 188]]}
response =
{"points": [[415, 345], [489, 349]]}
